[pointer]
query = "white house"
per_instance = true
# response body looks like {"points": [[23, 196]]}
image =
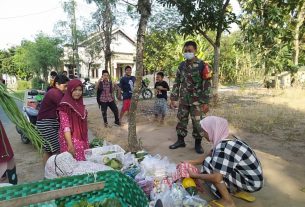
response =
{"points": [[123, 49]]}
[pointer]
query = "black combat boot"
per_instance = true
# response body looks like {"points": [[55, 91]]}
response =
{"points": [[198, 146], [180, 143]]}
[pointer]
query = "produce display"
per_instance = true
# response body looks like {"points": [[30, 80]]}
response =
{"points": [[113, 163], [96, 142]]}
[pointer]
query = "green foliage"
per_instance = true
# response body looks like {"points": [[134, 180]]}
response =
{"points": [[9, 66], [160, 51], [146, 81], [200, 16], [237, 63], [19, 94], [23, 85], [163, 51], [38, 83], [269, 28], [40, 56]]}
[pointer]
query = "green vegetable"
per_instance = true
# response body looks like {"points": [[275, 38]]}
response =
{"points": [[192, 190], [106, 160], [11, 109], [141, 154], [96, 142], [115, 164]]}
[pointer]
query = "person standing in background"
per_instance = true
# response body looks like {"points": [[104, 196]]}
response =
{"points": [[161, 88], [126, 85], [105, 98]]}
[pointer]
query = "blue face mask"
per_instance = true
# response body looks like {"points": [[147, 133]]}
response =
{"points": [[188, 55]]}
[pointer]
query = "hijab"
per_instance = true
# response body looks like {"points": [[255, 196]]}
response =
{"points": [[216, 127], [75, 110]]}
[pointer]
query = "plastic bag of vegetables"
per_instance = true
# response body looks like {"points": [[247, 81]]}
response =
{"points": [[194, 201]]}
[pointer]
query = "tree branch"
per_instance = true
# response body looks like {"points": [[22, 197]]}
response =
{"points": [[220, 23], [206, 36], [301, 16], [126, 2]]}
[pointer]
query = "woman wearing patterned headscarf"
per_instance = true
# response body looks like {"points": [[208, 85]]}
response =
{"points": [[232, 166], [73, 132]]}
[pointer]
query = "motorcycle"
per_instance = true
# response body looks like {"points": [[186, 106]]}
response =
{"points": [[89, 88], [145, 91], [31, 106]]}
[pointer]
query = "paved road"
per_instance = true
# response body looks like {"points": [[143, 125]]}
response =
{"points": [[5, 120]]}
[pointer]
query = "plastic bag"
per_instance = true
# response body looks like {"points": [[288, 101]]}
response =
{"points": [[178, 193], [194, 201], [167, 199], [157, 166], [128, 160], [145, 183]]}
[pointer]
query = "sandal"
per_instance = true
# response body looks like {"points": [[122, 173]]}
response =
{"points": [[244, 196], [215, 203]]}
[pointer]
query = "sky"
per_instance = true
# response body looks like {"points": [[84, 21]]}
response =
{"points": [[23, 19]]}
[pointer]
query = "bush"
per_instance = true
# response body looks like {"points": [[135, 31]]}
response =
{"points": [[146, 81], [23, 85], [38, 83]]}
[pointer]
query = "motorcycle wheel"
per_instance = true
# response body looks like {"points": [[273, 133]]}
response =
{"points": [[18, 130], [147, 94], [24, 139]]}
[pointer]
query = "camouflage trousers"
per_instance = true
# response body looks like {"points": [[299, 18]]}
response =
{"points": [[183, 118]]}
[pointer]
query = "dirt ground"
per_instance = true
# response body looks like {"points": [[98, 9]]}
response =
{"points": [[271, 122]]}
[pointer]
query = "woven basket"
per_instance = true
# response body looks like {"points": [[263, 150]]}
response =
{"points": [[117, 186]]}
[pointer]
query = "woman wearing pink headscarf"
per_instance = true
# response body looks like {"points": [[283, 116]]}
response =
{"points": [[231, 167], [73, 131]]}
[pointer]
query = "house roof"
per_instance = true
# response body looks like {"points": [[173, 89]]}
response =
{"points": [[117, 30]]}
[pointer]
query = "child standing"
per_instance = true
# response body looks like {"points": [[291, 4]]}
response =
{"points": [[126, 85], [105, 98], [161, 88], [73, 132]]}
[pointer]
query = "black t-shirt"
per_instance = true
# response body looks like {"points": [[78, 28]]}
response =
{"points": [[162, 94], [127, 84]]}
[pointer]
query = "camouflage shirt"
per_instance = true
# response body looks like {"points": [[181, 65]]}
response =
{"points": [[190, 85]]}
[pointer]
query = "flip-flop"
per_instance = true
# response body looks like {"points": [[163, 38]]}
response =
{"points": [[244, 196], [215, 203]]}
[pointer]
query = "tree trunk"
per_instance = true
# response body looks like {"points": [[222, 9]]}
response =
{"points": [[216, 45], [144, 8], [108, 20], [215, 80], [296, 41], [110, 67]]}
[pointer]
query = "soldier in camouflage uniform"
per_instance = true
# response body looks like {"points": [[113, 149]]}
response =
{"points": [[192, 86]]}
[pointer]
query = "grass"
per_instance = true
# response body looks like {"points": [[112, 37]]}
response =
{"points": [[272, 112], [19, 94]]}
